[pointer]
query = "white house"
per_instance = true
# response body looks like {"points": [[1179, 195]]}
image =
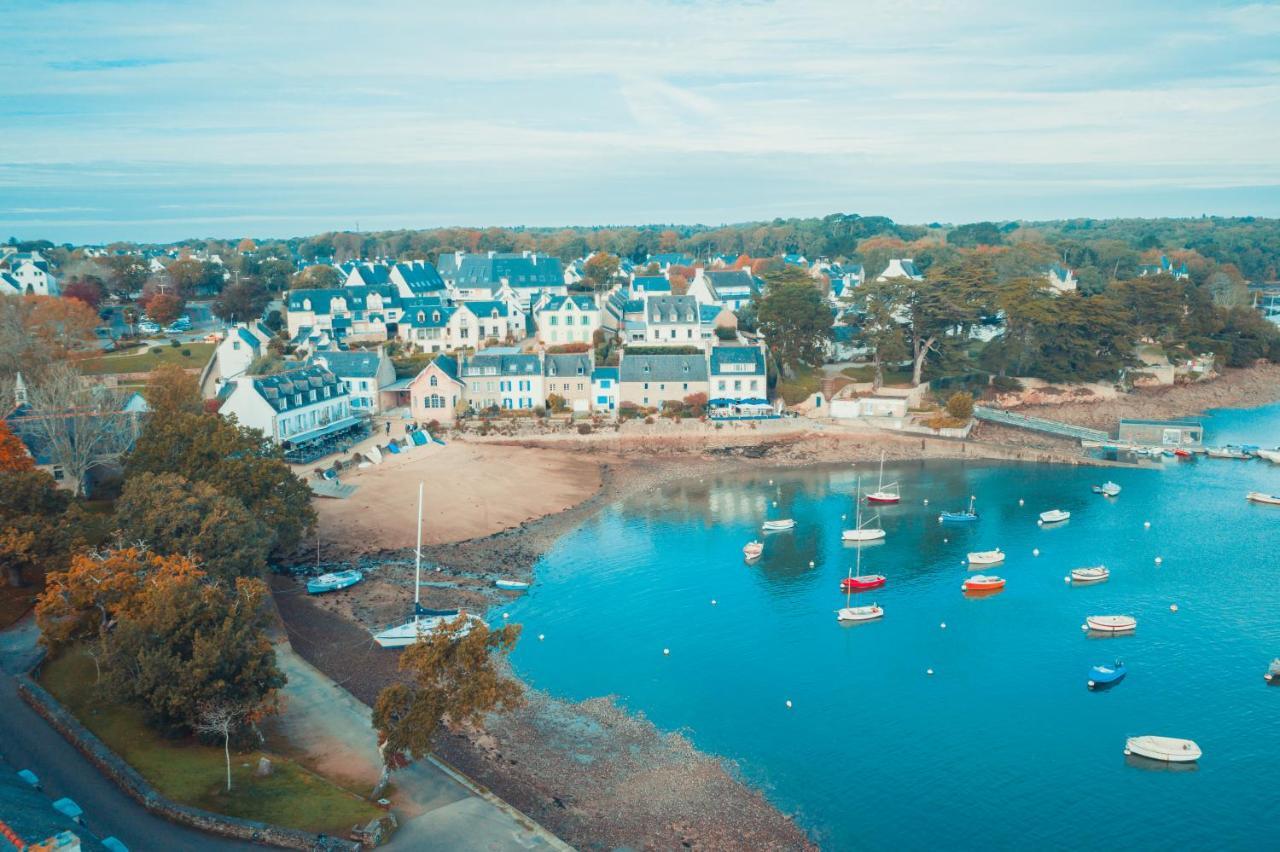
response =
{"points": [[472, 277], [900, 268], [738, 379], [569, 377], [566, 319], [604, 391], [242, 345], [31, 274], [1061, 279], [356, 312], [364, 373], [673, 321], [648, 285], [294, 407], [728, 288], [506, 380]]}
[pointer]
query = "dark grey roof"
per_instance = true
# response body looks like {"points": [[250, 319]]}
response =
{"points": [[737, 355], [663, 368], [505, 365], [672, 308], [354, 364], [567, 365], [481, 270], [285, 386]]}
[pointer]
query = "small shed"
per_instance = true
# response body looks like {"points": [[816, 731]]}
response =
{"points": [[1162, 433]]}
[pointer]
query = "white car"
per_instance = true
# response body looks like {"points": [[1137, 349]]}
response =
{"points": [[148, 327]]}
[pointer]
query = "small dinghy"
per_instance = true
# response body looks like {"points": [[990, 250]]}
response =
{"points": [[1226, 453], [1265, 499], [333, 582], [752, 549], [983, 583], [860, 613], [986, 557], [1100, 677], [778, 526], [1167, 749], [1054, 516], [1107, 489], [1273, 673], [1092, 574], [511, 585], [1111, 623], [963, 517], [1182, 454]]}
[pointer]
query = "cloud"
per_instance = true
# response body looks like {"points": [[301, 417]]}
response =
{"points": [[106, 64]]}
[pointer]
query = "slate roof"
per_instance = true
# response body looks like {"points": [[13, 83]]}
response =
{"points": [[736, 355], [651, 284], [604, 373], [671, 309], [671, 259], [449, 365], [369, 274], [355, 364], [428, 316], [503, 365], [483, 309], [356, 297], [420, 276], [731, 281], [663, 368], [481, 270], [708, 313], [583, 302], [285, 386], [567, 365]]}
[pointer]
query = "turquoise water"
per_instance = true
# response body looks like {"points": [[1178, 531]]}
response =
{"points": [[1003, 746]]}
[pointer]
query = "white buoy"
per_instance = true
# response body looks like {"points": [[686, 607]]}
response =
{"points": [[1084, 627], [1040, 523], [1066, 579], [1159, 560], [770, 481], [1146, 525], [666, 652], [928, 671], [775, 504], [844, 517], [541, 636], [945, 540], [810, 563], [1021, 502], [943, 625], [506, 615], [788, 703], [1173, 607], [926, 501], [713, 601], [1035, 551]]}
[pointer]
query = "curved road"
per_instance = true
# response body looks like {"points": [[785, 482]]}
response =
{"points": [[27, 742]]}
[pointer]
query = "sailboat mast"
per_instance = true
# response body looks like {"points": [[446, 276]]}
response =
{"points": [[417, 558]]}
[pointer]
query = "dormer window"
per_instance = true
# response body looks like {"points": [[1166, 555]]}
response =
{"points": [[306, 304], [422, 317], [435, 316], [646, 368]]}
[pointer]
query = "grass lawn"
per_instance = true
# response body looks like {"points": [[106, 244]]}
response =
{"points": [[867, 373], [144, 360], [806, 382], [195, 774]]}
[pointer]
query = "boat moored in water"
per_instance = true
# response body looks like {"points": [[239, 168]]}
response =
{"points": [[986, 557], [1266, 499], [1273, 672], [1092, 574], [778, 526], [1111, 623], [1107, 489], [862, 582], [1104, 676], [753, 549], [1054, 516], [884, 493], [860, 613], [1167, 749], [983, 583], [333, 582], [1226, 453], [508, 585], [962, 517], [1182, 454]]}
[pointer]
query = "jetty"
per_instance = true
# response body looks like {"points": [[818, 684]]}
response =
{"points": [[1041, 424]]}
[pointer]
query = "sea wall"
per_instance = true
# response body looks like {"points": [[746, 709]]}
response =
{"points": [[129, 780]]}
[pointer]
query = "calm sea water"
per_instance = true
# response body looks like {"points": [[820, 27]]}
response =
{"points": [[1003, 746]]}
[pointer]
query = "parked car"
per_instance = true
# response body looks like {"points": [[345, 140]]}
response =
{"points": [[148, 327]]}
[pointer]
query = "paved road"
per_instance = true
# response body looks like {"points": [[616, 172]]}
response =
{"points": [[27, 742]]}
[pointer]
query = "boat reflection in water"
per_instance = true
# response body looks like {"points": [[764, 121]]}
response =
{"points": [[1137, 761]]}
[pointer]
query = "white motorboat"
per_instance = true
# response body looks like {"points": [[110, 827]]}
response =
{"points": [[1107, 489], [511, 585], [333, 582], [1226, 453], [986, 557], [1111, 623], [779, 525], [860, 613], [1054, 516], [1273, 672], [753, 549], [884, 493], [1265, 499], [1167, 749], [424, 622], [1092, 574], [1272, 456]]}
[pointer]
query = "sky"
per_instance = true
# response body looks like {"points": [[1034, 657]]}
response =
{"points": [[158, 121]]}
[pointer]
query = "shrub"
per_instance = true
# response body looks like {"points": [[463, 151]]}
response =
{"points": [[960, 406], [628, 410], [156, 350], [173, 342], [724, 332], [649, 420], [186, 353], [584, 429], [1006, 383]]}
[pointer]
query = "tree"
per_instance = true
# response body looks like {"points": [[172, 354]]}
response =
{"points": [[976, 234], [237, 461], [126, 275], [600, 270], [941, 309], [960, 405], [878, 329], [794, 318], [453, 678], [38, 331], [168, 514], [86, 288], [318, 277], [696, 404], [190, 277], [81, 427], [275, 273], [35, 531], [171, 389], [243, 301], [219, 718], [556, 403], [13, 453], [163, 308]]}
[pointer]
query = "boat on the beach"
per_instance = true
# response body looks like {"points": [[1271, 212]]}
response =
{"points": [[1167, 749], [959, 517], [1259, 497], [1182, 454], [753, 550], [861, 531], [1054, 516], [986, 557], [890, 493], [1272, 456], [1111, 623], [983, 583], [511, 585], [1226, 453], [1273, 672], [1104, 676], [781, 525], [1107, 489], [856, 581], [1092, 574], [333, 582], [424, 622]]}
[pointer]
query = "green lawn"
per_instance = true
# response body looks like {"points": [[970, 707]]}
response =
{"points": [[195, 774], [144, 360], [796, 389]]}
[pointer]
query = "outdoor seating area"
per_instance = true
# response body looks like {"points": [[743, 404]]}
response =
{"points": [[336, 442]]}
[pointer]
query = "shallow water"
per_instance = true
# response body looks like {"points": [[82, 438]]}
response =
{"points": [[1003, 746]]}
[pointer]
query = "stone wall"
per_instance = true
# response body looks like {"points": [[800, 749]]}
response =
{"points": [[129, 780]]}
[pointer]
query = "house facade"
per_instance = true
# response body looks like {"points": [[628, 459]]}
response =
{"points": [[651, 381], [673, 321], [364, 373], [507, 381], [604, 391], [291, 408], [900, 268], [31, 273], [243, 344], [728, 288], [478, 277], [566, 319], [738, 379], [435, 392], [569, 377]]}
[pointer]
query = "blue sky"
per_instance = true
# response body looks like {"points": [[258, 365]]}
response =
{"points": [[158, 121]]}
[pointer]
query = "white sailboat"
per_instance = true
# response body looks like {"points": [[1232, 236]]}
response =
{"points": [[852, 582], [424, 621], [890, 493], [860, 532]]}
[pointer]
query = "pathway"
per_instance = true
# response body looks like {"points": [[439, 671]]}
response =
{"points": [[437, 809], [27, 742]]}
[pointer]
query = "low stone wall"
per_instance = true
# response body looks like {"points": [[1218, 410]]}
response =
{"points": [[129, 780]]}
